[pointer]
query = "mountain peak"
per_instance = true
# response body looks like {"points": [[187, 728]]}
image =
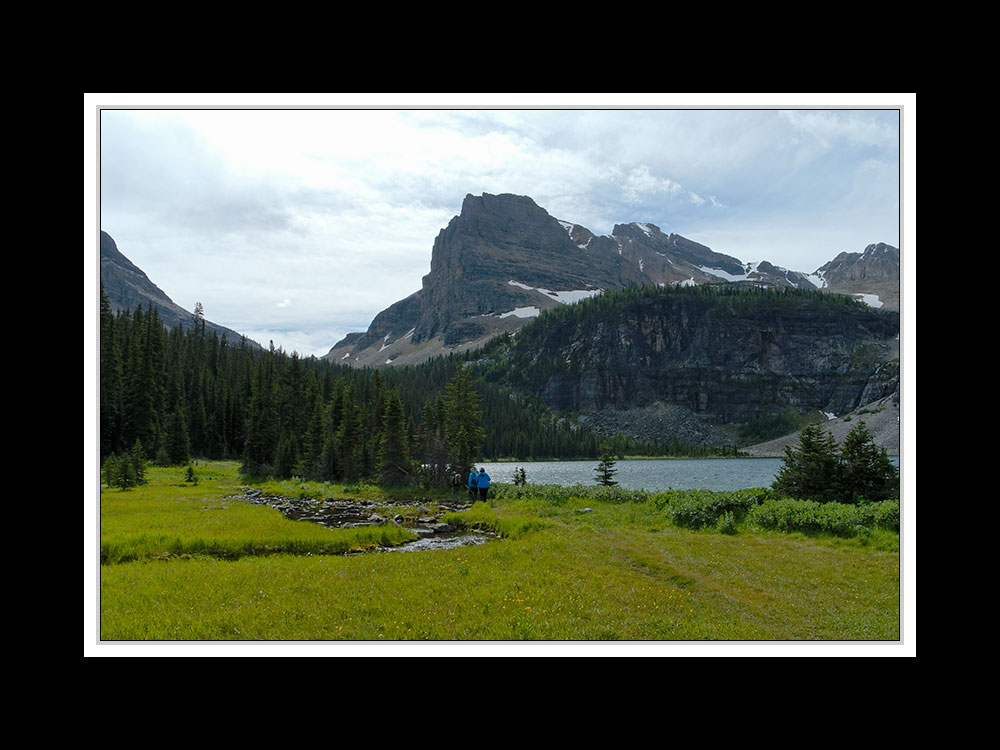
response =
{"points": [[505, 259]]}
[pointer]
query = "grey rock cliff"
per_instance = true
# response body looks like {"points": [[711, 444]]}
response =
{"points": [[726, 358]]}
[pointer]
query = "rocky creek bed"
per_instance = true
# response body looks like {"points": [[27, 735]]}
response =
{"points": [[345, 513]]}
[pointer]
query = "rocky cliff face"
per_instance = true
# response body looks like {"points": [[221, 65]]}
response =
{"points": [[726, 356], [496, 240]]}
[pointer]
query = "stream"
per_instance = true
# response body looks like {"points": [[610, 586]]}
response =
{"points": [[431, 531]]}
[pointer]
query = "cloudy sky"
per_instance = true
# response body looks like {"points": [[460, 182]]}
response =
{"points": [[298, 224]]}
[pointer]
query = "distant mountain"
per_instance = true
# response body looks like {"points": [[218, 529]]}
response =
{"points": [[128, 288], [503, 260], [872, 275]]}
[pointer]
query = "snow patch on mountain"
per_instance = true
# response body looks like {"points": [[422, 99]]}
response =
{"points": [[871, 300], [729, 276], [565, 297], [522, 312], [816, 279]]}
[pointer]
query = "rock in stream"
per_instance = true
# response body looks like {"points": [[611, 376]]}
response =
{"points": [[345, 513]]}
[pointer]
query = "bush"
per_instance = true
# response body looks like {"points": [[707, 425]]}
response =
{"points": [[883, 515], [810, 517], [726, 523], [762, 508], [695, 509]]}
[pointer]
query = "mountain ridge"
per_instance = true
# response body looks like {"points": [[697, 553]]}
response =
{"points": [[127, 287], [503, 260]]}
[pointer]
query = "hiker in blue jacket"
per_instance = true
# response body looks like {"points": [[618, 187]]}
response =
{"points": [[473, 484], [483, 484]]}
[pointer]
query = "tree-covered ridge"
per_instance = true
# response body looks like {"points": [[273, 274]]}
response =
{"points": [[185, 392], [724, 299], [641, 334]]}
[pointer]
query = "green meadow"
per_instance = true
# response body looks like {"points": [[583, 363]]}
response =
{"points": [[191, 561]]}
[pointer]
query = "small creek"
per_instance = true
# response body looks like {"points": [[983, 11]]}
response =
{"points": [[431, 531]]}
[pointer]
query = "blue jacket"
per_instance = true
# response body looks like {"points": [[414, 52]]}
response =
{"points": [[473, 479], [484, 480]]}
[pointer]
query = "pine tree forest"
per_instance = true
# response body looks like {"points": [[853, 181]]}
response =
{"points": [[175, 394]]}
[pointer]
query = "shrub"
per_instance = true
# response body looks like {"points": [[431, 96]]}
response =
{"points": [[695, 509], [883, 515], [811, 517], [726, 523]]}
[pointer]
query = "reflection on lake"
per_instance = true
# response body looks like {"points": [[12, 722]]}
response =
{"points": [[652, 474]]}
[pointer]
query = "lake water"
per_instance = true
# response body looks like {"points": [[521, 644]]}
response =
{"points": [[652, 474]]}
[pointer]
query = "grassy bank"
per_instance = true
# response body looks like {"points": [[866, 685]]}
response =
{"points": [[185, 562]]}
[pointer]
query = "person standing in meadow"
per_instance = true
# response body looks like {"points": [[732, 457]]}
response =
{"points": [[473, 484], [483, 484]]}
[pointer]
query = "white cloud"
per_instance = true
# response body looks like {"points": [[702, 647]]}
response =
{"points": [[640, 184]]}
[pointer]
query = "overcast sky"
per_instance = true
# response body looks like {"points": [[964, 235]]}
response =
{"points": [[298, 225]]}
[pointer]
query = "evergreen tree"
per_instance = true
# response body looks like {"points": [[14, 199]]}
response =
{"points": [[138, 459], [464, 433], [109, 469], [394, 461], [865, 469], [606, 469], [313, 442], [349, 441], [177, 442], [261, 441], [809, 471], [142, 389], [287, 456], [198, 319], [111, 380], [432, 442], [119, 471]]}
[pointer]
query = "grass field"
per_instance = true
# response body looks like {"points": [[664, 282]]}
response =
{"points": [[185, 562]]}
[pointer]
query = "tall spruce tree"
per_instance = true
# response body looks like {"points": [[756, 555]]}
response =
{"points": [[111, 381], [464, 434], [350, 440], [809, 470], [178, 443], [432, 442], [606, 468], [143, 389], [261, 441], [865, 469], [393, 455], [286, 457], [312, 444]]}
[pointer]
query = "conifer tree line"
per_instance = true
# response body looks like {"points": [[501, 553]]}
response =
{"points": [[174, 394]]}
